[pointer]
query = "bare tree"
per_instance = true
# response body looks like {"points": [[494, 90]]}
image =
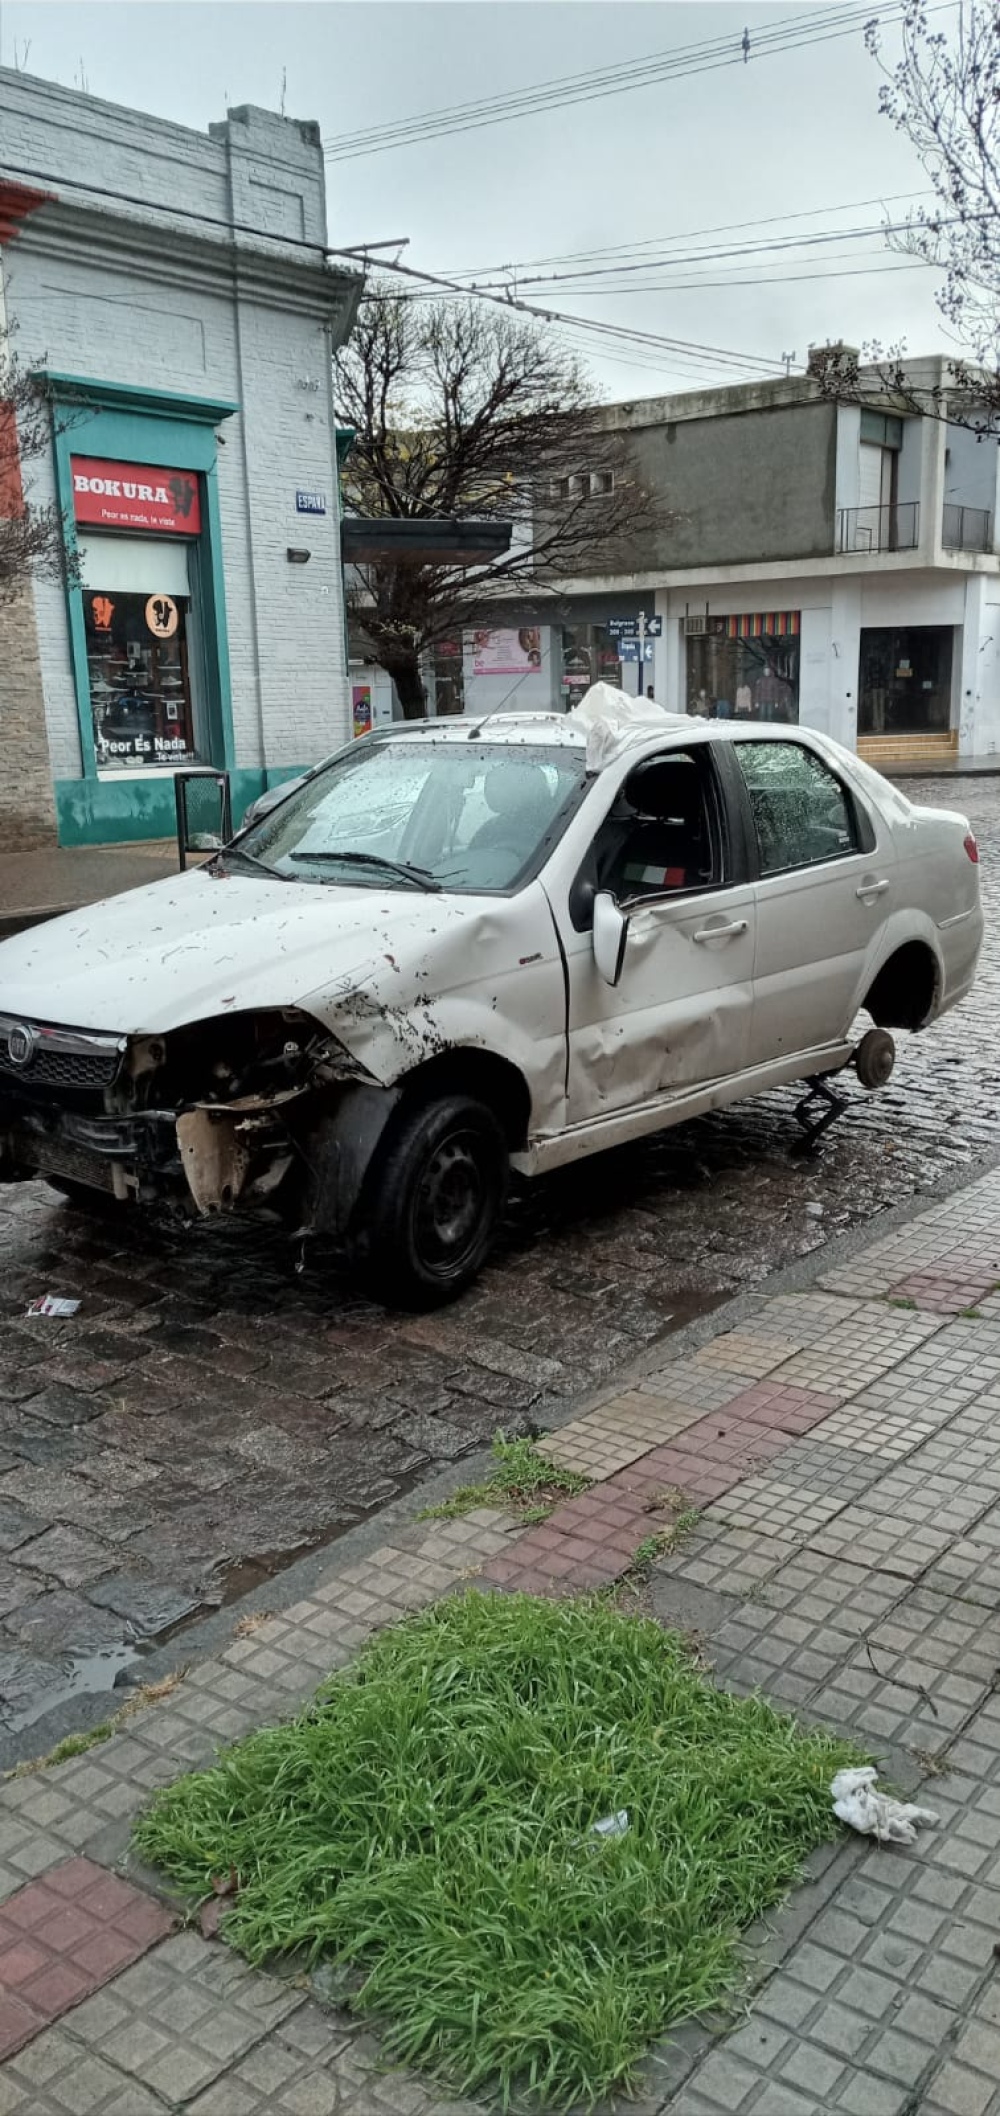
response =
{"points": [[943, 92], [464, 413], [31, 535]]}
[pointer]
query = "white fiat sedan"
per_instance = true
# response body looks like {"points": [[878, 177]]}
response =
{"points": [[472, 948]]}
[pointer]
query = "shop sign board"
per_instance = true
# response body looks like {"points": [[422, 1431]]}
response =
{"points": [[507, 653], [135, 496], [310, 502]]}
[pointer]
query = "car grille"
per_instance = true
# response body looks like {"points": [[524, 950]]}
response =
{"points": [[63, 1061]]}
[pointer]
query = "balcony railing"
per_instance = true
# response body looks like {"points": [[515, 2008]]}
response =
{"points": [[966, 528], [893, 528]]}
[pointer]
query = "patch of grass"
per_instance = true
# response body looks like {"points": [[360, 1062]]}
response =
{"points": [[663, 1540], [78, 1744], [427, 1824], [521, 1479], [971, 1314], [893, 1300]]}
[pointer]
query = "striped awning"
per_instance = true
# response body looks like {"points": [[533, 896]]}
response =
{"points": [[764, 624]]}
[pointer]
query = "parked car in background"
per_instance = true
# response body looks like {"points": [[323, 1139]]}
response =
{"points": [[477, 948]]}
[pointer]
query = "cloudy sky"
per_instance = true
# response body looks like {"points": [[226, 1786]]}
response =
{"points": [[730, 207]]}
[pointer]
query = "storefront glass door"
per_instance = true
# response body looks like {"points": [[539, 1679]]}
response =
{"points": [[904, 684], [142, 653]]}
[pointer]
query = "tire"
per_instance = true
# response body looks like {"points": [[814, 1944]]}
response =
{"points": [[437, 1198], [874, 1058]]}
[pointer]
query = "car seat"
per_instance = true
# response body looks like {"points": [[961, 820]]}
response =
{"points": [[519, 798]]}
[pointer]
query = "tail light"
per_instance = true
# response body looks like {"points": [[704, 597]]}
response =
{"points": [[972, 848]]}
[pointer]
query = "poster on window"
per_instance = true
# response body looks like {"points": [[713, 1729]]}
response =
{"points": [[507, 653], [361, 701]]}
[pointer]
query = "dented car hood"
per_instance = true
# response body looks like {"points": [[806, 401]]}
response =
{"points": [[203, 945]]}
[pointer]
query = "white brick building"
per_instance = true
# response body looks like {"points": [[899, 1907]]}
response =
{"points": [[175, 288]]}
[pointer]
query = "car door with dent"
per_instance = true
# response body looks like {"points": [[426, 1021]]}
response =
{"points": [[679, 1015]]}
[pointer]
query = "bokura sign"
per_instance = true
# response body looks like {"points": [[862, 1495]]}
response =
{"points": [[135, 496]]}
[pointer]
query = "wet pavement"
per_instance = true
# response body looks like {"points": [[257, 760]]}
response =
{"points": [[213, 1411]]}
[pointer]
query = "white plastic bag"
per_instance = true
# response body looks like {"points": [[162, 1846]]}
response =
{"points": [[874, 1814], [613, 719], [615, 1825]]}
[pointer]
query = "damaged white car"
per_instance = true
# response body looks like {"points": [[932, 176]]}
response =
{"points": [[477, 948]]}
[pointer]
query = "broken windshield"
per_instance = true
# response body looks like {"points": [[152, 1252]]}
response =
{"points": [[471, 817]]}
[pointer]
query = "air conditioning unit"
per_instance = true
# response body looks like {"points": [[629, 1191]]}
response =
{"points": [[695, 627]]}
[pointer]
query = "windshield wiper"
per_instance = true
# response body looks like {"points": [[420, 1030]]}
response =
{"points": [[421, 876], [236, 852]]}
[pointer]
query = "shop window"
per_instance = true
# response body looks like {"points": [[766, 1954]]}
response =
{"points": [[140, 691], [745, 668], [448, 676], [904, 681], [589, 655]]}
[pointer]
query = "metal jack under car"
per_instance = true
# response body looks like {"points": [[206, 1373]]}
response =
{"points": [[478, 949]]}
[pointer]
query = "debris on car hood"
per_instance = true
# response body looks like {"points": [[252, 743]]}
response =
{"points": [[612, 720]]}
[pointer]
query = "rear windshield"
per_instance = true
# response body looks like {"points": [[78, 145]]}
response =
{"points": [[472, 817]]}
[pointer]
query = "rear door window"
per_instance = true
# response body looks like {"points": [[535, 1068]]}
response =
{"points": [[802, 814]]}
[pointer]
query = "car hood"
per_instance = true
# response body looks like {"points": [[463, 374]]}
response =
{"points": [[202, 944]]}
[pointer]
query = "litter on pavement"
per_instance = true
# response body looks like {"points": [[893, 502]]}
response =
{"points": [[51, 1304], [873, 1814]]}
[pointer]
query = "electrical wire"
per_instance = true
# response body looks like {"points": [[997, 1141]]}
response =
{"points": [[780, 245], [756, 279], [726, 227], [626, 77]]}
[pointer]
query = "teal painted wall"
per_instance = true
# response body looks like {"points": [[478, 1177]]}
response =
{"points": [[96, 811]]}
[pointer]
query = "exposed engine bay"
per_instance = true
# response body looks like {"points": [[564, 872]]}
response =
{"points": [[219, 1116]]}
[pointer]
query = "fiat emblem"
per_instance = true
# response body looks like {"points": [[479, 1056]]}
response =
{"points": [[21, 1044]]}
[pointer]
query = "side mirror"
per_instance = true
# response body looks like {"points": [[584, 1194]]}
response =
{"points": [[610, 937]]}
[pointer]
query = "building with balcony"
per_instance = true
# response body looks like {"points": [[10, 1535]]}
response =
{"points": [[831, 563], [834, 564]]}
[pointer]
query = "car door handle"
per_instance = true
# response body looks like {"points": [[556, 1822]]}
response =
{"points": [[738, 925], [868, 891]]}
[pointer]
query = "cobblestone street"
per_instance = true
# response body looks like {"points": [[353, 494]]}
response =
{"points": [[213, 1410]]}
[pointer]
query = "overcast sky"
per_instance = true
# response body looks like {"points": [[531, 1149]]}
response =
{"points": [[791, 132]]}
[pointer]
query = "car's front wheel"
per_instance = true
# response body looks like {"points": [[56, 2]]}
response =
{"points": [[437, 1199]]}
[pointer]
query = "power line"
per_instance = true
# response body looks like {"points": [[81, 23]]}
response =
{"points": [[755, 279], [723, 354], [621, 79], [727, 227], [717, 255]]}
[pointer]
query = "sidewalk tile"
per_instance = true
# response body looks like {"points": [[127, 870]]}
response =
{"points": [[177, 2020], [66, 1934]]}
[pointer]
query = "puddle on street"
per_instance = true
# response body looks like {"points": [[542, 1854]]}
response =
{"points": [[80, 1675]]}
